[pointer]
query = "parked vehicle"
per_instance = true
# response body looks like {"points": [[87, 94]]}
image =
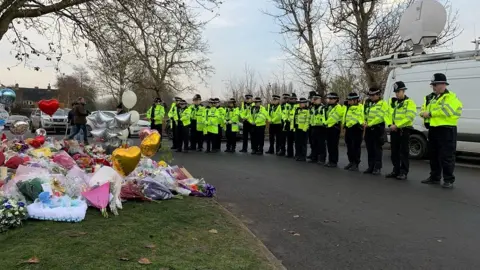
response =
{"points": [[133, 129], [13, 118], [57, 122], [463, 73]]}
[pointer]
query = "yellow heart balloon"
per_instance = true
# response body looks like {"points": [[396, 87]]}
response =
{"points": [[150, 144], [125, 160]]}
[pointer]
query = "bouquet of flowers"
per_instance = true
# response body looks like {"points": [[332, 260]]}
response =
{"points": [[11, 214]]}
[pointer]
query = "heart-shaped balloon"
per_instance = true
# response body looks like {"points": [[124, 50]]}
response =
{"points": [[150, 144], [125, 160], [48, 106]]}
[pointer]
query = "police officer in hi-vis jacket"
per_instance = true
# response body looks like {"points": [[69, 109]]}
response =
{"points": [[275, 127], [232, 121]]}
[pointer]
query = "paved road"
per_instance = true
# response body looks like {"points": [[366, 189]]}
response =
{"points": [[312, 217]]}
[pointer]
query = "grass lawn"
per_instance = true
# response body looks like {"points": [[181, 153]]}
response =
{"points": [[175, 234]]}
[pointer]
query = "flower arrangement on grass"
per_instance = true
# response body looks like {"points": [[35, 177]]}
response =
{"points": [[12, 213]]}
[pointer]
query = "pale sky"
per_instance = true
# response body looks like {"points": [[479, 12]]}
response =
{"points": [[241, 35]]}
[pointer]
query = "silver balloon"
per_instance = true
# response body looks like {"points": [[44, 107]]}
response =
{"points": [[92, 119], [19, 127], [99, 133], [3, 117], [41, 132], [7, 96], [110, 134], [103, 118], [112, 124], [123, 120]]}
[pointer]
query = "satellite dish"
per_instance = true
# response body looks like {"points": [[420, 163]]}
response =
{"points": [[421, 23]]}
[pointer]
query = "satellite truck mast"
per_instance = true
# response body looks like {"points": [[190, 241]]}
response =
{"points": [[421, 24]]}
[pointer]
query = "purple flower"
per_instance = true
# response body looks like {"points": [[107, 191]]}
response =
{"points": [[8, 206], [21, 204], [5, 201]]}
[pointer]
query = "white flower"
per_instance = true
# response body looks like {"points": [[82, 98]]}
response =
{"points": [[16, 213], [9, 214]]}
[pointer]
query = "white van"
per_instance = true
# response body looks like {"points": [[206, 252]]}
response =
{"points": [[463, 74]]}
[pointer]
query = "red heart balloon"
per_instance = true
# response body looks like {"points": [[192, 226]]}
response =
{"points": [[48, 106], [40, 139]]}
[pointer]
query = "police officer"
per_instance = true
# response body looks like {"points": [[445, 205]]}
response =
{"points": [[173, 115], [183, 126], [376, 118], [443, 111], [299, 125], [258, 120], [322, 139], [212, 121], [289, 129], [353, 123], [155, 115], [316, 123], [275, 127], [198, 124], [333, 122], [311, 94], [403, 112], [245, 112], [232, 120], [285, 107], [221, 123]]}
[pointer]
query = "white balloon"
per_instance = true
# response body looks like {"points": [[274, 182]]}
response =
{"points": [[123, 135], [129, 99], [134, 117]]}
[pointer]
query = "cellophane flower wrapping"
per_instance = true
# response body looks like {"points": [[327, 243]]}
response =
{"points": [[75, 182], [108, 174], [198, 187], [65, 160], [62, 208], [131, 190], [155, 190], [12, 213], [99, 197]]}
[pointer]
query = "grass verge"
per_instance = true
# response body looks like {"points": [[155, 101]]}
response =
{"points": [[193, 233]]}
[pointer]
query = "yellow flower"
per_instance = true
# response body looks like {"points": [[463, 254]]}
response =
{"points": [[162, 163]]}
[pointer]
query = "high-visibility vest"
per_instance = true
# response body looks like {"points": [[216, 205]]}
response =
{"points": [[316, 116], [354, 115], [232, 117], [377, 113], [158, 114], [425, 106], [259, 116], [334, 115], [403, 112], [445, 110], [198, 114], [172, 114], [275, 113], [185, 115], [301, 119], [213, 120], [286, 107], [245, 110]]}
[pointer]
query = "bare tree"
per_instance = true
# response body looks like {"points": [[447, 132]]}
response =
{"points": [[302, 20], [369, 28], [77, 84], [238, 87]]}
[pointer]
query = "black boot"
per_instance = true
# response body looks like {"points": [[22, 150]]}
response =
{"points": [[350, 165], [401, 176], [270, 151], [243, 151], [331, 165], [391, 175], [368, 171], [281, 153], [376, 172], [354, 168], [430, 181], [447, 185]]}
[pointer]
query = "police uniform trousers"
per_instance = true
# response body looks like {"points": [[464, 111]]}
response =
{"points": [[353, 140], [183, 133], [374, 140], [274, 133], [174, 128], [442, 147], [258, 139], [400, 150], [322, 144], [314, 142], [333, 138], [217, 142], [156, 127], [209, 140], [231, 137], [290, 136], [195, 136], [282, 139], [301, 138], [247, 132], [310, 139]]}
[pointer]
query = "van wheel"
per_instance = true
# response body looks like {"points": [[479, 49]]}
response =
{"points": [[417, 145]]}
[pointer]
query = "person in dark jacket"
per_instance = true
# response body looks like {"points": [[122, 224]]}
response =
{"points": [[71, 123], [120, 109], [80, 120]]}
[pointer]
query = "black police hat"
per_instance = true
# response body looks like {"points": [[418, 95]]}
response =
{"points": [[177, 98], [286, 95], [182, 102], [439, 78], [211, 100], [275, 97], [248, 96], [216, 100], [257, 99], [332, 95], [157, 100], [197, 97], [232, 100], [303, 100], [311, 94], [397, 86], [293, 96], [352, 96], [374, 91]]}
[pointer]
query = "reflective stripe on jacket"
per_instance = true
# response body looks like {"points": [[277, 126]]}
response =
{"points": [[232, 117], [403, 112], [445, 110], [354, 115], [158, 114], [301, 119], [377, 113], [334, 115], [275, 113]]}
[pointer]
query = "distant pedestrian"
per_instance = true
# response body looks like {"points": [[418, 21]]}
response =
{"points": [[120, 109], [80, 120]]}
